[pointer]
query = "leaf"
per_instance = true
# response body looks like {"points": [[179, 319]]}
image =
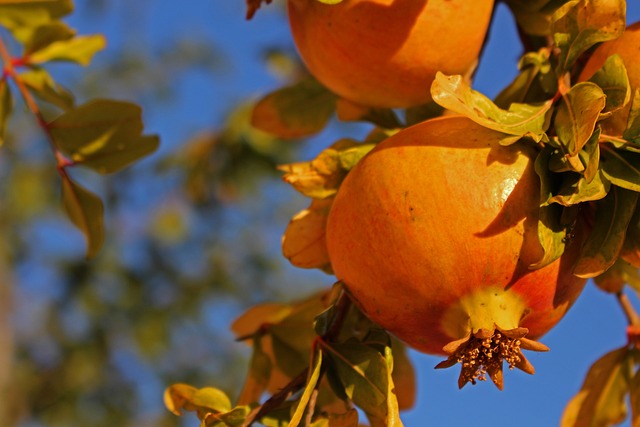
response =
{"points": [[255, 317], [6, 107], [601, 400], [258, 377], [393, 411], [103, 135], [42, 84], [312, 382], [46, 34], [23, 17], [535, 82], [635, 400], [621, 167], [580, 24], [576, 189], [613, 80], [208, 399], [304, 242], [551, 233], [632, 130], [79, 49], [577, 114], [453, 93], [630, 251], [295, 111], [85, 211], [364, 377], [620, 274], [603, 244]]}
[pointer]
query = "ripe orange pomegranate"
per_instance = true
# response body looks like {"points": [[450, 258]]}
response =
{"points": [[385, 53], [628, 47], [433, 233]]}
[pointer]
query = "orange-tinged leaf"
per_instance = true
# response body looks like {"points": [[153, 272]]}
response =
{"points": [[295, 111], [620, 274], [601, 400], [347, 419], [257, 381], [86, 211], [304, 242], [251, 320], [177, 397]]}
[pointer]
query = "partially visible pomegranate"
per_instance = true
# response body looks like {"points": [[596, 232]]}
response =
{"points": [[628, 47], [385, 53], [434, 232]]}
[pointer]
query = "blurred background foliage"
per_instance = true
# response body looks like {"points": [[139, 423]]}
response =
{"points": [[193, 235]]}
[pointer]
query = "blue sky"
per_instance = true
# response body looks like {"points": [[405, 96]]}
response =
{"points": [[593, 327]]}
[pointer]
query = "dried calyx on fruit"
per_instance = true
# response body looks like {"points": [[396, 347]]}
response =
{"points": [[434, 234]]}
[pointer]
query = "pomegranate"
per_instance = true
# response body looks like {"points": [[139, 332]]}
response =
{"points": [[628, 47], [385, 53], [434, 233]]}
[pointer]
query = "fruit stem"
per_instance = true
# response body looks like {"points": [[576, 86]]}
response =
{"points": [[632, 315]]}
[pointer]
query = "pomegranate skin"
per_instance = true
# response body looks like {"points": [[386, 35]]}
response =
{"points": [[628, 47], [385, 53], [433, 233]]}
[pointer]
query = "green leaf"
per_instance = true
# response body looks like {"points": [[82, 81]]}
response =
{"points": [[312, 382], [44, 87], [295, 111], [103, 135], [632, 130], [23, 17], [535, 82], [601, 400], [364, 376], [453, 93], [46, 34], [576, 116], [603, 245], [576, 189], [534, 16], [79, 49], [86, 211], [621, 167], [551, 233], [580, 24], [613, 80], [6, 107]]}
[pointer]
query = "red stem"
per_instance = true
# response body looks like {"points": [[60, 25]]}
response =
{"points": [[9, 70]]}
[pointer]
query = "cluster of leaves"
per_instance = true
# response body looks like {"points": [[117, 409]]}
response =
{"points": [[316, 368], [586, 176], [102, 135]]}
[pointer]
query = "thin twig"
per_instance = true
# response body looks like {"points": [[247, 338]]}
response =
{"points": [[10, 71], [630, 312]]}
